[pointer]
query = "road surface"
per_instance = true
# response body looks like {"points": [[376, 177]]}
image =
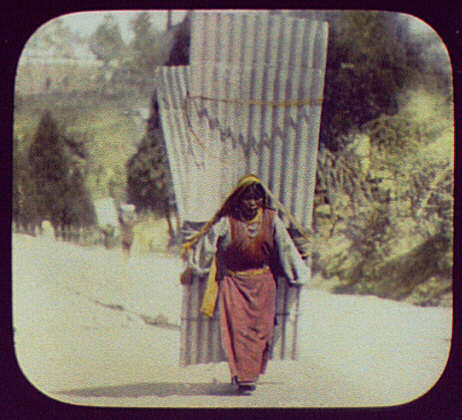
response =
{"points": [[93, 330]]}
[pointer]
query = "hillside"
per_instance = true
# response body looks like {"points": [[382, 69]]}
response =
{"points": [[112, 125], [394, 240]]}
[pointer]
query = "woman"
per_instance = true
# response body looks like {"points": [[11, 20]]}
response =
{"points": [[249, 245]]}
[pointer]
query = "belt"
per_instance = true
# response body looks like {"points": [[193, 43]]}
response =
{"points": [[249, 272]]}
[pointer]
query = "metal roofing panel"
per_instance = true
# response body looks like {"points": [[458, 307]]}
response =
{"points": [[227, 115]]}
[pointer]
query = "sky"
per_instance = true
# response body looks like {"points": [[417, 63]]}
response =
{"points": [[86, 23]]}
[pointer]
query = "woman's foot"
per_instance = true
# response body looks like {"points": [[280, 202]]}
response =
{"points": [[244, 387], [247, 387]]}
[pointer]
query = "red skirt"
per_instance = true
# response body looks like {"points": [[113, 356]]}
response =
{"points": [[247, 302]]}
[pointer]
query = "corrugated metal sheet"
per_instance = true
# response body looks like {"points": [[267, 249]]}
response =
{"points": [[200, 335], [227, 115], [221, 116]]}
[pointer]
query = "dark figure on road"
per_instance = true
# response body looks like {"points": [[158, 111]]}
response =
{"points": [[127, 220]]}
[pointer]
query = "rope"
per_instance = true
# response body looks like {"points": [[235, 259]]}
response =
{"points": [[284, 104]]}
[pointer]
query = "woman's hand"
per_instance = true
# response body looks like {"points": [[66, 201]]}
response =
{"points": [[187, 276], [184, 254]]}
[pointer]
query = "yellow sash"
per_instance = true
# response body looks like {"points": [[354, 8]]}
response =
{"points": [[211, 292]]}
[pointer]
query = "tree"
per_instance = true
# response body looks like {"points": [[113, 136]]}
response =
{"points": [[107, 43], [24, 210], [79, 212], [60, 193], [179, 53], [56, 38], [367, 67], [148, 49], [149, 181], [142, 30]]}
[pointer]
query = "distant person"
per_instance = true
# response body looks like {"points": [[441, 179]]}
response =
{"points": [[127, 221], [108, 232], [248, 245]]}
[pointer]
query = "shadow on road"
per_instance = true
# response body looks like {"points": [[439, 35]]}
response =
{"points": [[161, 389]]}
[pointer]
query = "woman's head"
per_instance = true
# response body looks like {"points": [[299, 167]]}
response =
{"points": [[247, 199], [249, 194], [252, 198]]}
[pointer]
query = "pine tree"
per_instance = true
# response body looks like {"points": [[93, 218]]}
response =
{"points": [[149, 183], [49, 164], [23, 199], [60, 194]]}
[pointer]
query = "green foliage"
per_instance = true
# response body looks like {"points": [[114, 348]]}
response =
{"points": [[149, 182], [49, 164], [394, 136], [365, 70], [179, 53], [396, 278], [148, 177], [24, 209], [58, 188], [370, 233], [393, 234], [142, 30], [372, 57], [143, 59], [148, 49], [54, 37]]}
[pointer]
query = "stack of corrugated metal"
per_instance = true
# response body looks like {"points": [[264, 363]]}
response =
{"points": [[249, 102]]}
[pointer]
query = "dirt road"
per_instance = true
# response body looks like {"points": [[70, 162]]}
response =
{"points": [[85, 334]]}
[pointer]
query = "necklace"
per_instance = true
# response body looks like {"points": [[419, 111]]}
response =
{"points": [[252, 225]]}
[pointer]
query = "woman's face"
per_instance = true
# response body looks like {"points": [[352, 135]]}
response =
{"points": [[250, 202]]}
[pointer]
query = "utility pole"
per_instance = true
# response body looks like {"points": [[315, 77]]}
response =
{"points": [[169, 20]]}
